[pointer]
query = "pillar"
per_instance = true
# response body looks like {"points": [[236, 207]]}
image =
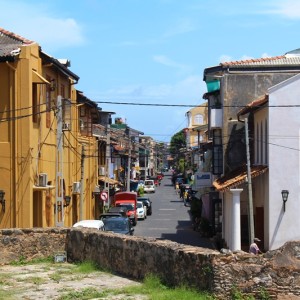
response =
{"points": [[236, 220]]}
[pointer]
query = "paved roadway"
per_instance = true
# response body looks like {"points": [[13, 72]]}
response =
{"points": [[170, 219]]}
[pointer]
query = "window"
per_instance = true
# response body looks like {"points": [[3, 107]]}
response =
{"points": [[35, 103], [198, 119], [217, 153]]}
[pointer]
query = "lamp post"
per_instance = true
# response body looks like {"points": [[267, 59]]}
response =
{"points": [[285, 195]]}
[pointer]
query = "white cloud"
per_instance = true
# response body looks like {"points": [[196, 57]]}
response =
{"points": [[183, 26], [285, 8], [227, 58], [35, 22], [164, 60], [185, 91]]}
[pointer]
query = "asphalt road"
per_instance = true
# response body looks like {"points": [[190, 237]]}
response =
{"points": [[170, 219]]}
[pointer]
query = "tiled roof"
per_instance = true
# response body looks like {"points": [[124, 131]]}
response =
{"points": [[283, 60], [237, 177], [10, 36], [258, 102], [10, 42]]}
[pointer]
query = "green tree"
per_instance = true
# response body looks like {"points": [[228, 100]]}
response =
{"points": [[177, 150], [177, 142]]}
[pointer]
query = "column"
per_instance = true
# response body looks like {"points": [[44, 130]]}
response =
{"points": [[236, 220]]}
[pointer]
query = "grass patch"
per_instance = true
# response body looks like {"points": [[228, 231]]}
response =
{"points": [[22, 261], [154, 289], [34, 279], [151, 289], [86, 267], [88, 293]]}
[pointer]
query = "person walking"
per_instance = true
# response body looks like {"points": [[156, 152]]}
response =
{"points": [[254, 249]]}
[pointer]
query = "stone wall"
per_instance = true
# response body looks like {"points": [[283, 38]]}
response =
{"points": [[275, 273]]}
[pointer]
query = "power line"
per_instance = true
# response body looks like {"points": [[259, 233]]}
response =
{"points": [[189, 105]]}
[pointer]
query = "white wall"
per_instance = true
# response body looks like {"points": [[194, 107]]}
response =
{"points": [[284, 128]]}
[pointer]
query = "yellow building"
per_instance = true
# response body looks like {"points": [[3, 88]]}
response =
{"points": [[48, 167], [197, 126]]}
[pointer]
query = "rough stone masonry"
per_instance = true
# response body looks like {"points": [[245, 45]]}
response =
{"points": [[276, 273]]}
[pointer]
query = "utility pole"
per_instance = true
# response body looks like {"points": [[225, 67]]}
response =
{"points": [[59, 187], [107, 156], [129, 165], [250, 198], [81, 184]]}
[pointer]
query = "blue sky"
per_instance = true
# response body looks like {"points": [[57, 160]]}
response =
{"points": [[153, 51]]}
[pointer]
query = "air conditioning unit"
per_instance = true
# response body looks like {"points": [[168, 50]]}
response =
{"points": [[102, 171], [76, 188], [66, 126], [43, 179]]}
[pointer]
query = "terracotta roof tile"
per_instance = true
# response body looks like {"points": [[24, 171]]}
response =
{"points": [[269, 61], [255, 103], [237, 177], [12, 36], [10, 43]]}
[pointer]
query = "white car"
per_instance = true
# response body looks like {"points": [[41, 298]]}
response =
{"points": [[149, 186], [141, 210], [97, 224]]}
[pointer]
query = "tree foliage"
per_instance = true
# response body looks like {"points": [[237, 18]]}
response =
{"points": [[177, 142]]}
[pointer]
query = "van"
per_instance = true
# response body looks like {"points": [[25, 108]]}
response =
{"points": [[149, 186]]}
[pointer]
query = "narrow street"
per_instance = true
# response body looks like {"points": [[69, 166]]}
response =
{"points": [[170, 219]]}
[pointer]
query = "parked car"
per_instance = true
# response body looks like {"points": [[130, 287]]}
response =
{"points": [[148, 203], [109, 215], [127, 200], [141, 210], [155, 180], [118, 210], [120, 225], [97, 224], [149, 186]]}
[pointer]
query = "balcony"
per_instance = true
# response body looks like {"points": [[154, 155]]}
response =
{"points": [[216, 118]]}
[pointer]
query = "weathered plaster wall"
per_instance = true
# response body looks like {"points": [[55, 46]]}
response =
{"points": [[276, 273]]}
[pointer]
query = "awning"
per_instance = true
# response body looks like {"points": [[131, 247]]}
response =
{"points": [[109, 180], [237, 177], [38, 78]]}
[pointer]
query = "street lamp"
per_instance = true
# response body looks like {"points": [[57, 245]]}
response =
{"points": [[285, 195]]}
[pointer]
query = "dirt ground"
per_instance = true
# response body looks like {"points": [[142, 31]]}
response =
{"points": [[52, 281]]}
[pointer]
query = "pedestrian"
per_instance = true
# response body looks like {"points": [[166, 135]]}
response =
{"points": [[185, 196], [182, 189], [254, 249]]}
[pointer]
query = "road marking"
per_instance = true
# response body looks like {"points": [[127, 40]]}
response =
{"points": [[153, 228], [161, 219], [167, 209]]}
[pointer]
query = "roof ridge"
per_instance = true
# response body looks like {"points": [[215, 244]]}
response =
{"points": [[252, 60], [15, 36]]}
